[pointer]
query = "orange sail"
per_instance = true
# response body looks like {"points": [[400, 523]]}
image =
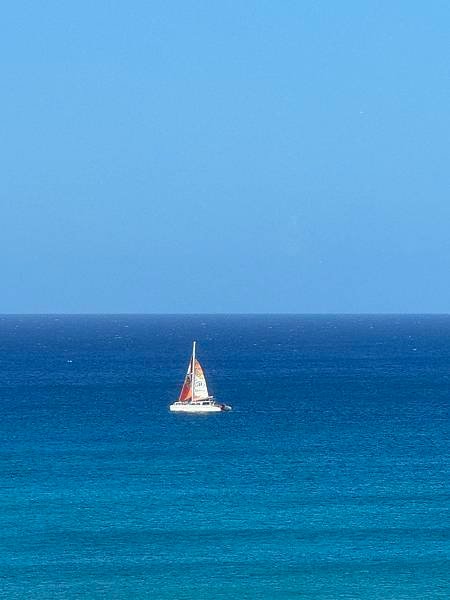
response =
{"points": [[186, 390]]}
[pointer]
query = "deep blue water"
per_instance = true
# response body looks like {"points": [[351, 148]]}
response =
{"points": [[329, 480]]}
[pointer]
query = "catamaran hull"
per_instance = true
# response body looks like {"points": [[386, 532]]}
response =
{"points": [[188, 407]]}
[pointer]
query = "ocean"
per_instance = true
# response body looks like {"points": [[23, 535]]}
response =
{"points": [[328, 480]]}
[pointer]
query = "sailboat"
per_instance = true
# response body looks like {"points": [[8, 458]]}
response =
{"points": [[194, 396]]}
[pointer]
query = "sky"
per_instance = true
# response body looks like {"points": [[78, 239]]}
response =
{"points": [[225, 157]]}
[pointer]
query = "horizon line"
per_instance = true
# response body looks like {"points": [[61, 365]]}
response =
{"points": [[225, 314]]}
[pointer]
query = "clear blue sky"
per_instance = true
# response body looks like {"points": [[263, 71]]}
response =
{"points": [[206, 156]]}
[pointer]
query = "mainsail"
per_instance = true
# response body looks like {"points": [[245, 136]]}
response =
{"points": [[200, 387]]}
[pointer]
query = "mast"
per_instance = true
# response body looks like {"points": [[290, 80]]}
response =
{"points": [[193, 372]]}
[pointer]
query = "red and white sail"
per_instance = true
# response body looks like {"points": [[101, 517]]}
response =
{"points": [[200, 386]]}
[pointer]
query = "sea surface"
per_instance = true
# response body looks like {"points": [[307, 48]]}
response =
{"points": [[328, 480]]}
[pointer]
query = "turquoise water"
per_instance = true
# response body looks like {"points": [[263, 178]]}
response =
{"points": [[329, 480]]}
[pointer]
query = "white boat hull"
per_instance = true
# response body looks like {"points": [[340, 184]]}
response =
{"points": [[205, 406]]}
